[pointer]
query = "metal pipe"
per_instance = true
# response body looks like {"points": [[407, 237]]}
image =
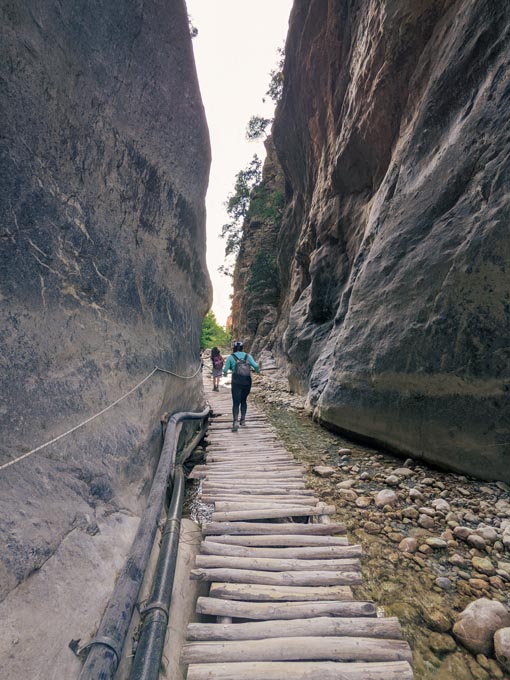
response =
{"points": [[106, 648], [151, 641], [149, 651]]}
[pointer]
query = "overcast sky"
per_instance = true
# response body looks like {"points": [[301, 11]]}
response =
{"points": [[235, 50]]}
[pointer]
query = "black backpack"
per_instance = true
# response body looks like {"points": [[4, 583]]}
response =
{"points": [[242, 374]]}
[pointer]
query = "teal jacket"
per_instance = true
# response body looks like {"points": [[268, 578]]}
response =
{"points": [[230, 363]]}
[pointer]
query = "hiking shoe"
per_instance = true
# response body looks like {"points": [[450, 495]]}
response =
{"points": [[242, 421], [235, 426]]}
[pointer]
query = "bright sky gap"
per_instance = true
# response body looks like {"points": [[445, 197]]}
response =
{"points": [[235, 49]]}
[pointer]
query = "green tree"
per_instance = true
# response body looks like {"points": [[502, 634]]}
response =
{"points": [[237, 205], [256, 127], [213, 335], [275, 88]]}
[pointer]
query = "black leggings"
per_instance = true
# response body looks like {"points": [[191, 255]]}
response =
{"points": [[239, 396]]}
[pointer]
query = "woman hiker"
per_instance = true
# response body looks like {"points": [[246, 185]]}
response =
{"points": [[217, 365], [240, 363]]}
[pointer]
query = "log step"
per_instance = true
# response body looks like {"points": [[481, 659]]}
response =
{"points": [[296, 511], [253, 592], [305, 553], [280, 578], [263, 611], [271, 564], [387, 628], [297, 649], [325, 670], [269, 528], [281, 541]]}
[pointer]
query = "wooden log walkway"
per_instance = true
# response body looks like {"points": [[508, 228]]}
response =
{"points": [[280, 603]]}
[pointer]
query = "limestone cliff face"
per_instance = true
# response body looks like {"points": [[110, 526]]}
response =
{"points": [[256, 278], [104, 166], [394, 252]]}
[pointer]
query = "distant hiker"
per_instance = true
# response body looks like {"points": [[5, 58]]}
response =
{"points": [[240, 363], [217, 365]]}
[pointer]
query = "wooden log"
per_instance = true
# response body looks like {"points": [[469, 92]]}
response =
{"points": [[264, 611], [306, 553], [242, 498], [296, 511], [234, 506], [224, 504], [325, 670], [251, 592], [272, 528], [241, 474], [297, 649], [279, 578], [271, 564], [324, 626], [285, 540], [255, 484], [264, 491], [262, 467]]}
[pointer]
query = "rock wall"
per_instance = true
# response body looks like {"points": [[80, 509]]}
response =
{"points": [[104, 167], [256, 280], [394, 250]]}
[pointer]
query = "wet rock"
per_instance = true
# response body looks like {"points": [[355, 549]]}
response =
{"points": [[477, 624], [502, 647], [386, 497]]}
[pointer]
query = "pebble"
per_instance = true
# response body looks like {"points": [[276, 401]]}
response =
{"points": [[324, 470], [364, 501], [441, 505], [392, 480], [365, 476], [386, 497], [372, 528], [427, 511], [344, 452], [346, 484], [404, 472], [425, 521], [461, 532], [348, 494], [443, 582], [428, 481], [436, 543], [488, 534], [484, 565], [457, 560], [415, 495], [411, 512], [476, 541], [408, 544]]}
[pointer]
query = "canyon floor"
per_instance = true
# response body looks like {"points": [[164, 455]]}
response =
{"points": [[453, 526]]}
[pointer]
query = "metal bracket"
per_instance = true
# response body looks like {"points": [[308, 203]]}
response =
{"points": [[100, 640]]}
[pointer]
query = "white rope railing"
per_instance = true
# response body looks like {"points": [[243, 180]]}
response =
{"points": [[100, 413]]}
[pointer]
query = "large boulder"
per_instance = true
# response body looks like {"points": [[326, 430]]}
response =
{"points": [[476, 625], [502, 647]]}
